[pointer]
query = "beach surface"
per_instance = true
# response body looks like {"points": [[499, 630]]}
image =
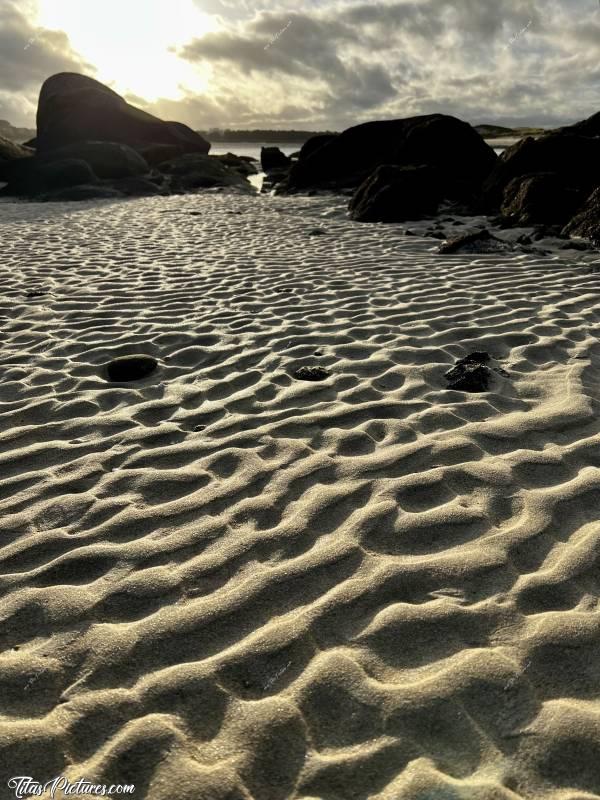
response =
{"points": [[221, 582]]}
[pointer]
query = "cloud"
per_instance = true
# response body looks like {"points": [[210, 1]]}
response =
{"points": [[334, 63], [345, 62], [28, 55]]}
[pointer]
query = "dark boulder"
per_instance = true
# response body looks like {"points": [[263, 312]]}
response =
{"points": [[395, 194], [271, 158], [575, 158], [314, 143], [137, 187], [34, 176], [545, 197], [586, 221], [195, 171], [243, 165], [478, 242], [130, 368], [154, 154], [75, 108], [81, 192], [587, 127], [107, 159], [436, 140]]}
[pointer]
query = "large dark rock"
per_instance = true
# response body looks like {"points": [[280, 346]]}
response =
{"points": [[75, 108], [107, 159], [395, 194], [195, 171], [81, 192], [587, 127], [243, 165], [154, 154], [586, 222], [544, 197], [573, 157], [454, 147], [136, 187], [34, 176], [314, 143], [271, 158]]}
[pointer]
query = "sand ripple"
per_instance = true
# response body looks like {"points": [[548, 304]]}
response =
{"points": [[222, 583]]}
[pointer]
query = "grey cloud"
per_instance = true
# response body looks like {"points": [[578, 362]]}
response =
{"points": [[341, 62], [28, 55]]}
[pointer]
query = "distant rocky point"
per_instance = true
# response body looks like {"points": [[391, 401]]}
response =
{"points": [[500, 132], [260, 136], [19, 135]]}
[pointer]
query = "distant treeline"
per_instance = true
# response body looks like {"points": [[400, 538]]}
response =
{"points": [[228, 135]]}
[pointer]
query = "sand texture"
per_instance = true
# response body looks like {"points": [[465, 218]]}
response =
{"points": [[224, 583]]}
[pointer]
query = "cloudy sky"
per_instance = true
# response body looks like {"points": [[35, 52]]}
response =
{"points": [[319, 64]]}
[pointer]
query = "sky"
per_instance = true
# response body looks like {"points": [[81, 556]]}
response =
{"points": [[318, 64]]}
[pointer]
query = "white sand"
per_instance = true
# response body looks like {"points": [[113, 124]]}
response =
{"points": [[369, 587]]}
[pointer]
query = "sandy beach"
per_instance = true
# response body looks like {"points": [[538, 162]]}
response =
{"points": [[224, 583]]}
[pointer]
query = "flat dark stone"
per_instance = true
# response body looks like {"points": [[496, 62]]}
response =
{"points": [[470, 374], [311, 374], [130, 368], [471, 377]]}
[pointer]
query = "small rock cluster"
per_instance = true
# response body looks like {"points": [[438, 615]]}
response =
{"points": [[471, 374]]}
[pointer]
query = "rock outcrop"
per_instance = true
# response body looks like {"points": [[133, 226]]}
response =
{"points": [[586, 221], [462, 157], [396, 194], [575, 158], [541, 198], [75, 108]]}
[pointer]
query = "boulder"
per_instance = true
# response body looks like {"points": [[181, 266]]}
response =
{"points": [[75, 108], [107, 159], [154, 154], [544, 197], [478, 242], [586, 221], [243, 165], [195, 171], [136, 187], [82, 192], [33, 176], [573, 157], [587, 127], [271, 158], [436, 140], [395, 194], [314, 143]]}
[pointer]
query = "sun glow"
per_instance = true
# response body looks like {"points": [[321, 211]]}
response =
{"points": [[132, 43]]}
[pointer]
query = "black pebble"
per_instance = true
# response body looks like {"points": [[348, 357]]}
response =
{"points": [[311, 374], [470, 374], [130, 368]]}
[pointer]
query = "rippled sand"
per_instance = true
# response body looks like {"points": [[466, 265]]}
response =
{"points": [[222, 583]]}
